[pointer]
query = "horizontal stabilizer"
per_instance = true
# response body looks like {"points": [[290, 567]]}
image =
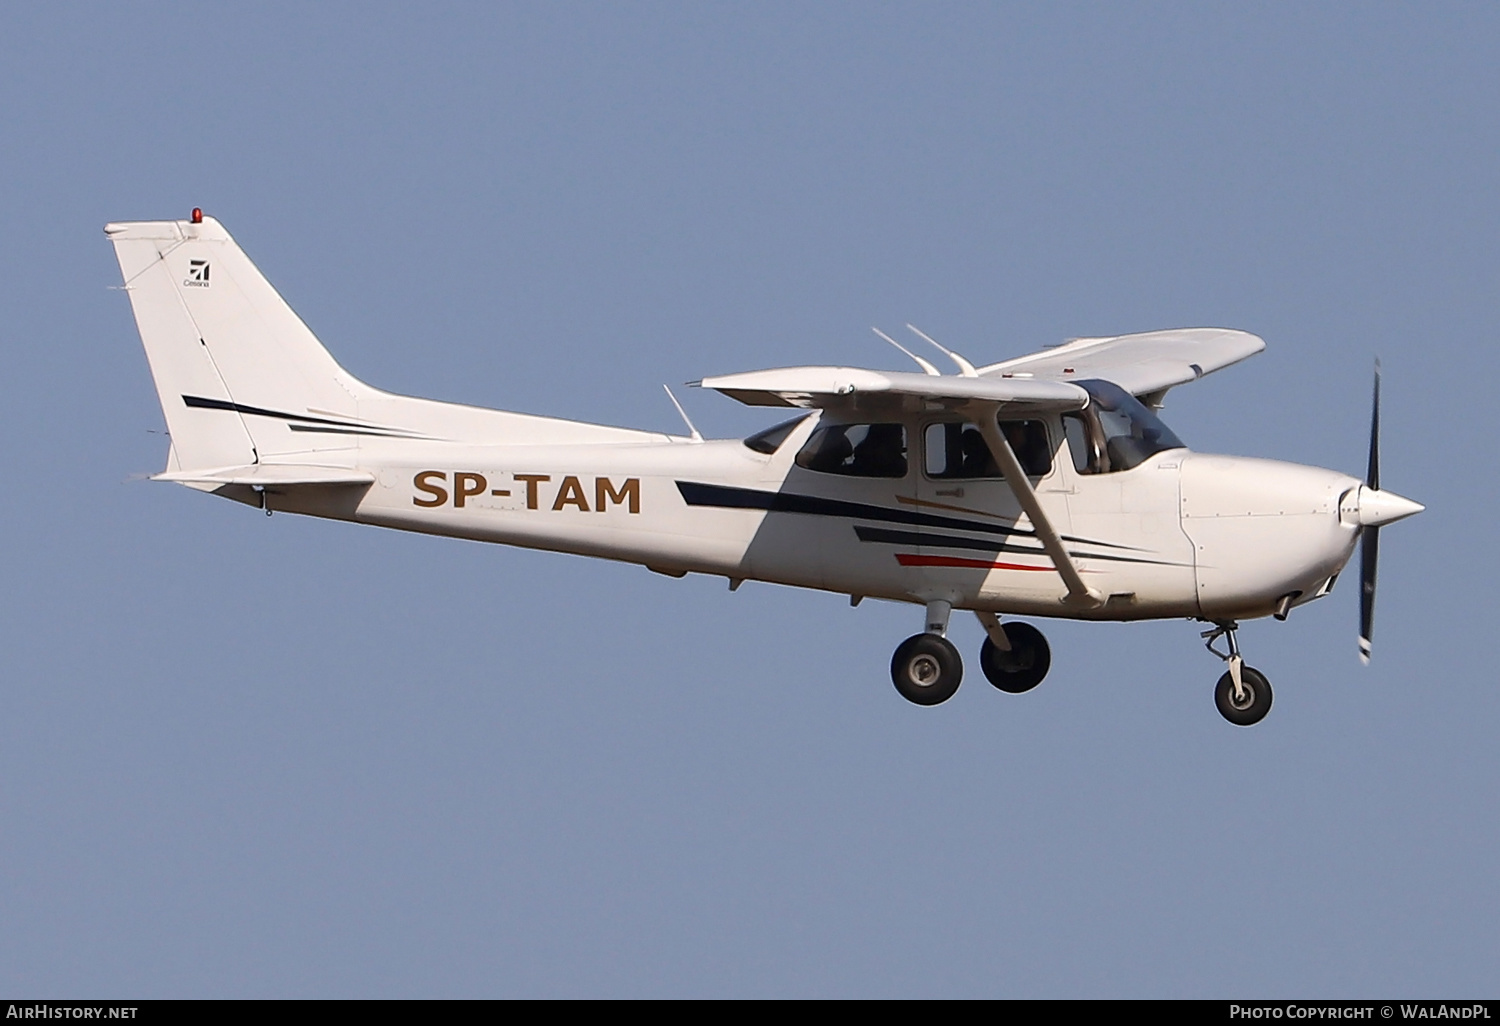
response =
{"points": [[269, 475]]}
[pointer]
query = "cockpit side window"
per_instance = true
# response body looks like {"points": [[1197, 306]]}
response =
{"points": [[856, 450], [1115, 431], [958, 450], [769, 440]]}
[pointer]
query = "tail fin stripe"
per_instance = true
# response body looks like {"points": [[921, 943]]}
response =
{"points": [[303, 422]]}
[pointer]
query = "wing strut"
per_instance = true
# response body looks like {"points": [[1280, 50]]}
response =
{"points": [[1079, 594]]}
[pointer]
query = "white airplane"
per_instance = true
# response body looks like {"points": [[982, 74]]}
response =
{"points": [[1043, 485]]}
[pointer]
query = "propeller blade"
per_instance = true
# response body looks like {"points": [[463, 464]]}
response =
{"points": [[1372, 472], [1369, 543], [1369, 550]]}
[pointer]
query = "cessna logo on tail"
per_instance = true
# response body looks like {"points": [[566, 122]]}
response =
{"points": [[197, 274]]}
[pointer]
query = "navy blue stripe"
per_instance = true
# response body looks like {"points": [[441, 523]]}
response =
{"points": [[303, 420], [947, 541], [695, 493], [378, 432], [953, 541], [223, 404]]}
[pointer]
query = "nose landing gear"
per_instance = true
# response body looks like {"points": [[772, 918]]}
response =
{"points": [[1243, 694]]}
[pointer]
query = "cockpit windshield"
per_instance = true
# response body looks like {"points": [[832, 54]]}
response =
{"points": [[1115, 432]]}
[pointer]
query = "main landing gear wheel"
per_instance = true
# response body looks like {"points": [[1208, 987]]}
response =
{"points": [[1024, 666], [1251, 706], [926, 669]]}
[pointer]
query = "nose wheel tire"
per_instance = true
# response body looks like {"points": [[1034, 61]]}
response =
{"points": [[1250, 708], [1024, 666], [926, 669]]}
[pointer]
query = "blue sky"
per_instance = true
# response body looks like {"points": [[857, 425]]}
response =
{"points": [[243, 756]]}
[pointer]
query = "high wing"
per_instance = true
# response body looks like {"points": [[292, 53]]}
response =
{"points": [[822, 387], [1145, 364]]}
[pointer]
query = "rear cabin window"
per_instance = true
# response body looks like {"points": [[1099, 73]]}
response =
{"points": [[769, 440], [856, 450], [958, 450]]}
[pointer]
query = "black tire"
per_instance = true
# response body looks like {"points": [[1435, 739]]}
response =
{"points": [[1258, 701], [1024, 666], [926, 669]]}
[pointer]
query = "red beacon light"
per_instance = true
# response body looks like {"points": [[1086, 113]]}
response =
{"points": [[197, 215]]}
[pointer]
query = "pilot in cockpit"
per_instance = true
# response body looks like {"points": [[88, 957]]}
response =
{"points": [[882, 452], [976, 460]]}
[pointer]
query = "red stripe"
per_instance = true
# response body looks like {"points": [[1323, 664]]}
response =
{"points": [[908, 559]]}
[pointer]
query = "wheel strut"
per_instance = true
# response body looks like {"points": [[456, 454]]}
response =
{"points": [[938, 612], [994, 630], [1243, 694], [1229, 630]]}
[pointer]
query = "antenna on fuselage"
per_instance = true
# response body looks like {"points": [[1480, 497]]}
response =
{"points": [[927, 367], [965, 368], [683, 414]]}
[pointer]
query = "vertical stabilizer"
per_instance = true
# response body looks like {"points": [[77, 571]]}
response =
{"points": [[239, 376]]}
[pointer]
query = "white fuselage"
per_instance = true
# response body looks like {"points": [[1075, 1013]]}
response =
{"points": [[1182, 534]]}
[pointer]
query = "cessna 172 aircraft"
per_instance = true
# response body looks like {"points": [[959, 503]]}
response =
{"points": [[1044, 485]]}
